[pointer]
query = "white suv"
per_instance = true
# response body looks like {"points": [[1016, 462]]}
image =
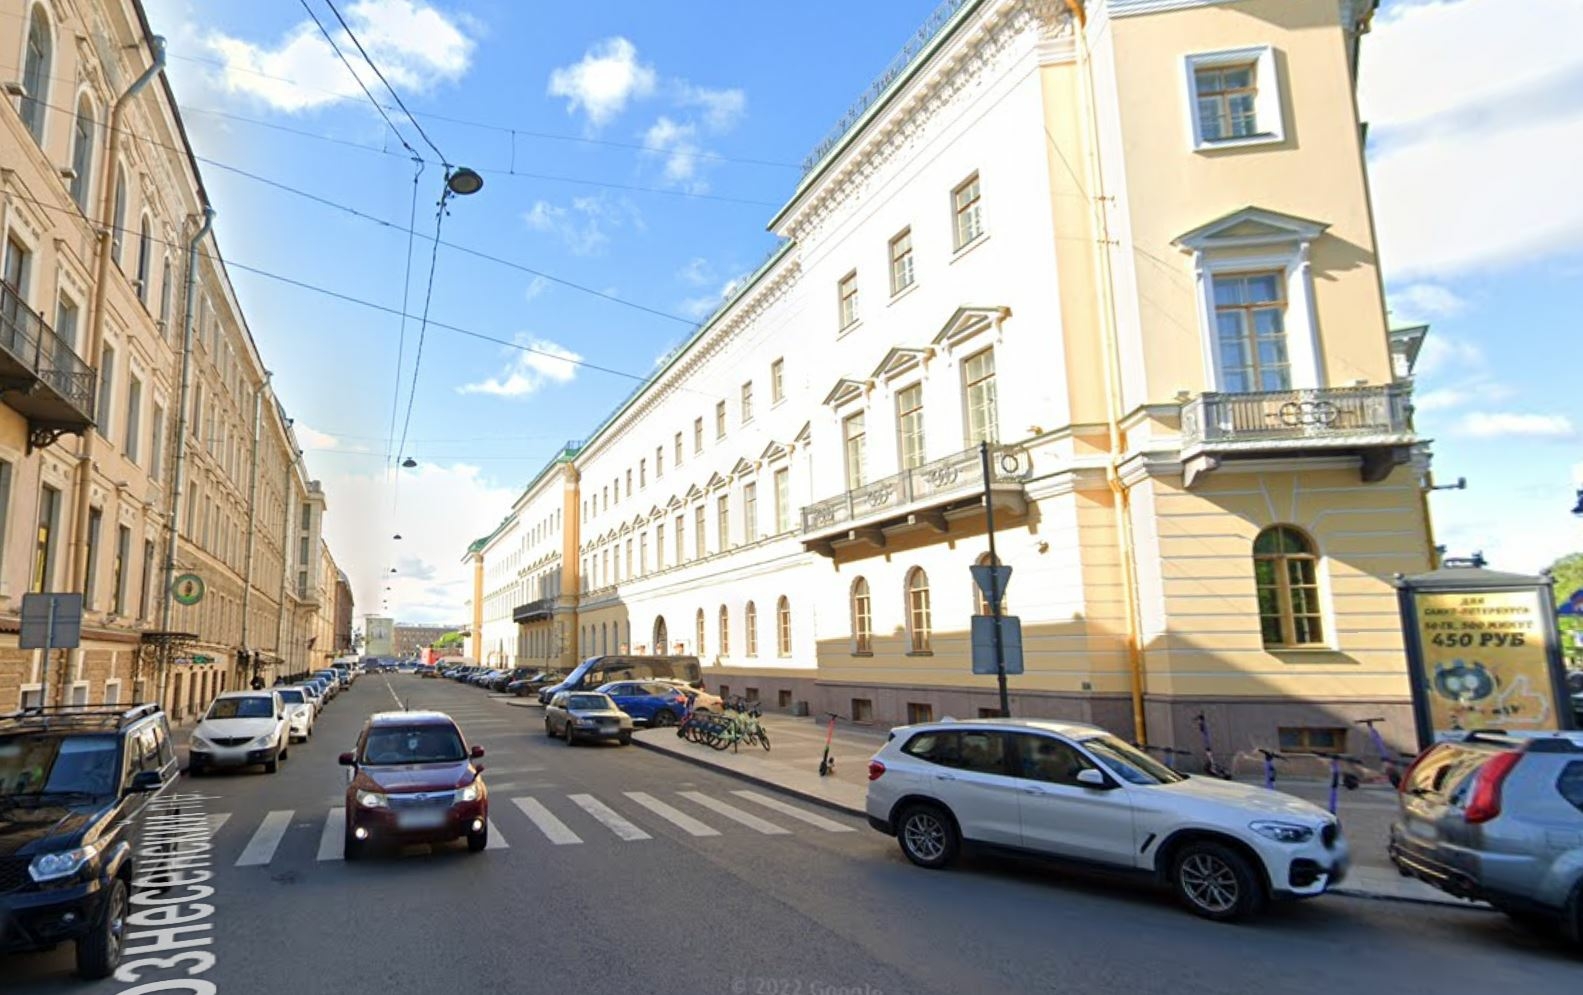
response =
{"points": [[1076, 792]]}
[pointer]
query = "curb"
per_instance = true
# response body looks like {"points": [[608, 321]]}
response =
{"points": [[762, 782], [1439, 903]]}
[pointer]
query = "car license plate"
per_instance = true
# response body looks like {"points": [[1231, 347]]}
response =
{"points": [[421, 819]]}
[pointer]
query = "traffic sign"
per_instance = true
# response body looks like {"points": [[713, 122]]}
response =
{"points": [[187, 589], [991, 580], [984, 643], [50, 622]]}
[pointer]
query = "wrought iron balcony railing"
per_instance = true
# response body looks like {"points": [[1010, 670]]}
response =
{"points": [[954, 477], [534, 610], [1322, 417], [40, 375]]}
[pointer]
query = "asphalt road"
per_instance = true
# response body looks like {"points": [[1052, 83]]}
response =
{"points": [[714, 892]]}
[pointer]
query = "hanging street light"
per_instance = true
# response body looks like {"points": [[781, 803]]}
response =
{"points": [[463, 182]]}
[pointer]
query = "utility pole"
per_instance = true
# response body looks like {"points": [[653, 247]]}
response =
{"points": [[994, 583], [252, 525]]}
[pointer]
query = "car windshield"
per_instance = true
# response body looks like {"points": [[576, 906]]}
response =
{"points": [[41, 764], [1130, 763], [255, 707], [424, 744], [291, 696], [588, 703]]}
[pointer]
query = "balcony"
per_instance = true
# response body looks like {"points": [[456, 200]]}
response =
{"points": [[1372, 423], [40, 376], [534, 611], [927, 496]]}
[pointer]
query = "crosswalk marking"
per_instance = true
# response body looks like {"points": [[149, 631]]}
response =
{"points": [[556, 830], [333, 837], [671, 814], [735, 814], [496, 841], [828, 825], [260, 849], [607, 815], [216, 821]]}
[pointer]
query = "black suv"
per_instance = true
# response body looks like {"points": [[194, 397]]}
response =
{"points": [[72, 779]]}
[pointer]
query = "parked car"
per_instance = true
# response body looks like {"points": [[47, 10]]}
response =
{"points": [[597, 671], [315, 695], [574, 715], [240, 729], [325, 687], [427, 670], [701, 700], [299, 712], [72, 782], [1076, 792], [529, 687], [1498, 817], [501, 681], [332, 682], [414, 781], [649, 703]]}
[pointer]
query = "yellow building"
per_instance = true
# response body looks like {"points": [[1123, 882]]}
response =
{"points": [[1128, 244]]}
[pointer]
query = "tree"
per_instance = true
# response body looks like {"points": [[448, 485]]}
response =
{"points": [[1568, 574], [449, 640]]}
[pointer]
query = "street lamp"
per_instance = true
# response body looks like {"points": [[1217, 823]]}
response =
{"points": [[1577, 509], [396, 536], [409, 463], [463, 182]]}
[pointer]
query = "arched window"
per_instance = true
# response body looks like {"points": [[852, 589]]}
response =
{"points": [[725, 632], [118, 217], [145, 246], [1286, 574], [918, 622], [662, 638], [862, 618], [36, 64], [604, 638], [750, 625], [783, 626], [699, 645], [82, 153], [981, 605]]}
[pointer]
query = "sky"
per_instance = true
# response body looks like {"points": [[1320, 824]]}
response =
{"points": [[632, 153]]}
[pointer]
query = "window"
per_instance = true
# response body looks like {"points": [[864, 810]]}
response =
{"points": [[1286, 575], [1570, 784], [18, 268], [750, 628], [5, 502], [918, 620], [783, 698], [302, 583], [1235, 98], [167, 287], [148, 578], [750, 512], [901, 261], [981, 605], [862, 710], [95, 526], [678, 449], [978, 385], [1308, 739], [862, 618], [629, 485], [66, 312], [783, 500], [852, 435], [643, 554], [919, 713], [1250, 332], [145, 246], [659, 547], [1047, 759], [643, 473], [630, 574], [777, 381], [783, 639], [909, 425], [197, 411], [156, 444], [747, 402], [699, 539], [82, 153], [681, 539], [846, 294], [699, 626], [134, 418], [118, 217], [44, 545], [123, 554], [36, 65], [720, 419], [725, 631], [969, 220], [723, 520], [659, 462], [698, 435], [302, 550]]}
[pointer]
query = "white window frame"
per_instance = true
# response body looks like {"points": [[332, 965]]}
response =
{"points": [[1267, 105], [1302, 339]]}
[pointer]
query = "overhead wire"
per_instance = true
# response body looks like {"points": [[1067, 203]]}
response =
{"points": [[358, 79], [392, 90], [406, 289]]}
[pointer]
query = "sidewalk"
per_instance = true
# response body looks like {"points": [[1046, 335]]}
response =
{"points": [[793, 766]]}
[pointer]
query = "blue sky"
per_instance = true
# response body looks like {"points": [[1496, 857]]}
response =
{"points": [[684, 124]]}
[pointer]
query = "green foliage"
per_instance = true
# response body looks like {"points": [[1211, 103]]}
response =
{"points": [[449, 640], [1568, 574]]}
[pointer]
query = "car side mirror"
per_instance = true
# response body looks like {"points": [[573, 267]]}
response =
{"points": [[478, 768], [146, 780], [477, 752], [1091, 778], [348, 760]]}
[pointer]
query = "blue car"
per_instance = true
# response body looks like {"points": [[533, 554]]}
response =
{"points": [[648, 702]]}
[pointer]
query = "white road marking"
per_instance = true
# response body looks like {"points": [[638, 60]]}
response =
{"points": [[735, 814], [828, 825], [260, 849], [556, 830], [216, 821], [607, 815], [672, 815], [332, 839], [496, 841]]}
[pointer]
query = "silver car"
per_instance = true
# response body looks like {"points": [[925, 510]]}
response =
{"points": [[1499, 817], [574, 715]]}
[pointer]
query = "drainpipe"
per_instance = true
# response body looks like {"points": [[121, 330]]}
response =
{"points": [[179, 455], [79, 530], [285, 556], [252, 499]]}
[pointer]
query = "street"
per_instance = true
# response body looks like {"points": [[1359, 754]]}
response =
{"points": [[622, 870]]}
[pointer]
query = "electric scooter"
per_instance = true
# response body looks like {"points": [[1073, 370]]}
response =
{"points": [[827, 762]]}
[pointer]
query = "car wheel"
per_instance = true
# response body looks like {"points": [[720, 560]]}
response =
{"points": [[194, 770], [477, 841], [568, 734], [626, 739], [99, 952], [271, 766], [663, 717], [1216, 882], [285, 750], [549, 730], [927, 836]]}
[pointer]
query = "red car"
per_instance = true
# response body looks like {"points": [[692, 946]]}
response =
{"points": [[414, 781]]}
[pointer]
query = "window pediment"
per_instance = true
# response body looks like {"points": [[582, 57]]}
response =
{"points": [[693, 494], [715, 482], [804, 435], [967, 321], [845, 391], [772, 452], [742, 468], [901, 360], [1251, 226]]}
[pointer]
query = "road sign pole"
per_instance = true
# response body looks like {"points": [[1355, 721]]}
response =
{"points": [[994, 584], [49, 633]]}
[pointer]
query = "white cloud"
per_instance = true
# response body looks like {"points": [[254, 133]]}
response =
{"points": [[1501, 147], [722, 109], [704, 305], [535, 288], [697, 271], [1425, 300], [584, 223], [1512, 424], [1442, 353], [548, 363], [415, 45], [312, 438], [604, 81], [677, 142]]}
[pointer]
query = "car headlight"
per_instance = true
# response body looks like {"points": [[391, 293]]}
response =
{"points": [[468, 792], [372, 799], [1283, 832], [263, 740], [60, 864], [199, 743], [586, 722]]}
